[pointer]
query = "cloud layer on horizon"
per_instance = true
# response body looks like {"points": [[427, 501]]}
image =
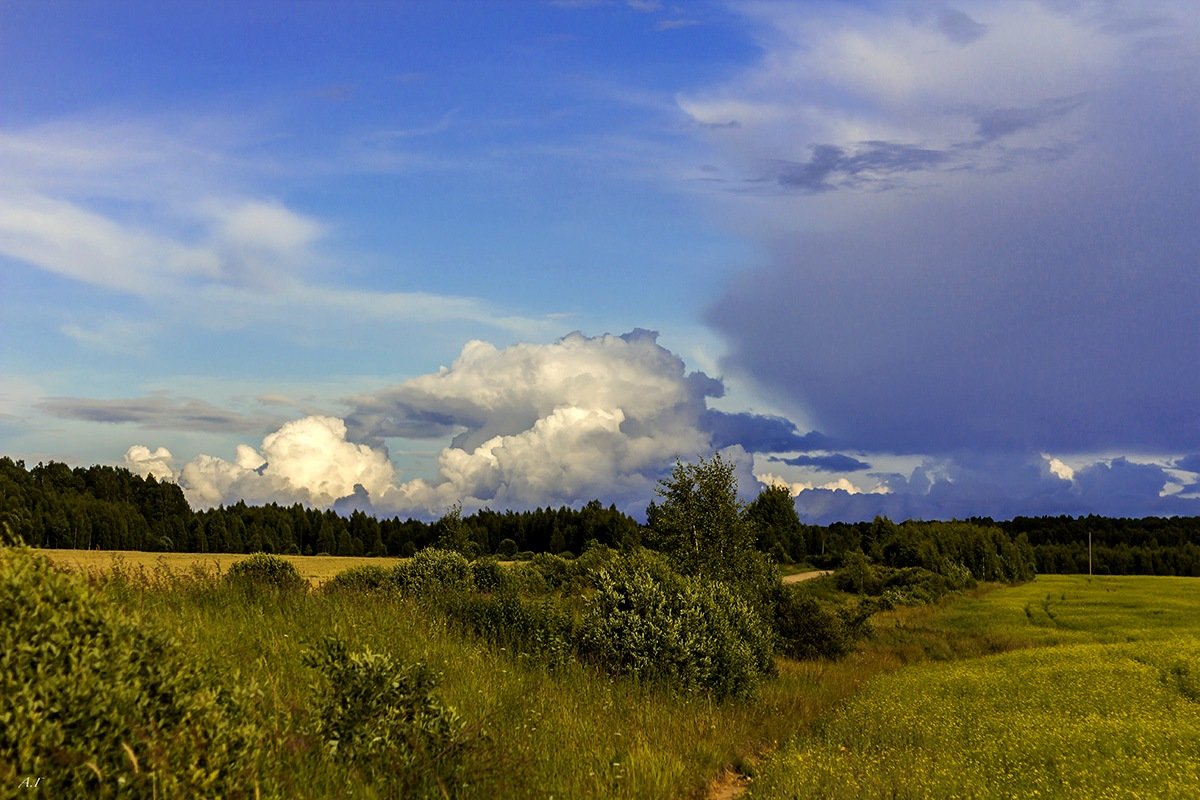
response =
{"points": [[528, 425], [605, 418]]}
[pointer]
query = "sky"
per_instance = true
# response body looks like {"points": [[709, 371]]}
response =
{"points": [[920, 259]]}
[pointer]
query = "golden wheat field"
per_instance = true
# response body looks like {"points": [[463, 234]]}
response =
{"points": [[315, 569]]}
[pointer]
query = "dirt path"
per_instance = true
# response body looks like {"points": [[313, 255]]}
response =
{"points": [[729, 786], [805, 576]]}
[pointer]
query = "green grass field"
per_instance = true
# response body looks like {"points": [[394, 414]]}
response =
{"points": [[1063, 687], [1105, 702]]}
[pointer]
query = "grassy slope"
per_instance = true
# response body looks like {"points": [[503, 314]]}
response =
{"points": [[1106, 703], [573, 733], [576, 734]]}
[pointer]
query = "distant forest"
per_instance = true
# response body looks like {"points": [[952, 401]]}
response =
{"points": [[109, 508]]}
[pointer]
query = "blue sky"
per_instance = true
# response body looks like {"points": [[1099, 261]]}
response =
{"points": [[921, 259]]}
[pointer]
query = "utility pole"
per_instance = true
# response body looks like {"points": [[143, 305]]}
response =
{"points": [[1089, 552]]}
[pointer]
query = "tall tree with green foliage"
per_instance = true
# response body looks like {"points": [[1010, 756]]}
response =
{"points": [[777, 527], [700, 523]]}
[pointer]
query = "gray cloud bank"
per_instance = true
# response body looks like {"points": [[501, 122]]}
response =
{"points": [[1003, 486], [1000, 306]]}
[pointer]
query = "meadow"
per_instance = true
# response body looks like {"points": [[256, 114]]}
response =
{"points": [[1103, 701], [1062, 687]]}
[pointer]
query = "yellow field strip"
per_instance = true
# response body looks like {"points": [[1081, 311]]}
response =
{"points": [[315, 569]]}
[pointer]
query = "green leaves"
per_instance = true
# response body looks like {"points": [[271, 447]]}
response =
{"points": [[699, 524], [266, 571], [385, 718], [691, 634], [104, 705]]}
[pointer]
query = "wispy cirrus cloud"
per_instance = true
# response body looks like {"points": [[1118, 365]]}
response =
{"points": [[160, 411], [183, 227]]}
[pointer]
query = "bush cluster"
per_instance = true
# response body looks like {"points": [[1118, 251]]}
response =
{"points": [[266, 571], [809, 628], [540, 628], [901, 585], [649, 622], [432, 572], [385, 718], [101, 704], [366, 578]]}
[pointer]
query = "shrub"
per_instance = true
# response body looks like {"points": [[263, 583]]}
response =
{"points": [[266, 571], [557, 571], [809, 629], [488, 576], [857, 575], [647, 621], [103, 705], [507, 548], [526, 578], [367, 578], [434, 572], [385, 719]]}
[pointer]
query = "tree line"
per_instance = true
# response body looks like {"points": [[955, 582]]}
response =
{"points": [[109, 508]]}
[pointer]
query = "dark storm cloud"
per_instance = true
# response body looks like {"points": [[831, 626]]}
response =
{"points": [[834, 462], [156, 412], [758, 433], [831, 167], [1056, 312], [1002, 487], [959, 27]]}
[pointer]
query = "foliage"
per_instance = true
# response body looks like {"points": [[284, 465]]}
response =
{"points": [[488, 576], [103, 704], [692, 634], [432, 571], [857, 575], [266, 571], [365, 578], [699, 524], [809, 628], [385, 719], [454, 534], [543, 629], [777, 526]]}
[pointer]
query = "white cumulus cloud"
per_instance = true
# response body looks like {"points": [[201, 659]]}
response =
{"points": [[532, 424], [528, 425], [141, 460], [307, 460]]}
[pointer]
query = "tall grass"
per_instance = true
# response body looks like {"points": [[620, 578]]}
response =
{"points": [[570, 732], [531, 728]]}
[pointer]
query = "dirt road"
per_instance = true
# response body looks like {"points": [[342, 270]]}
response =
{"points": [[805, 576]]}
